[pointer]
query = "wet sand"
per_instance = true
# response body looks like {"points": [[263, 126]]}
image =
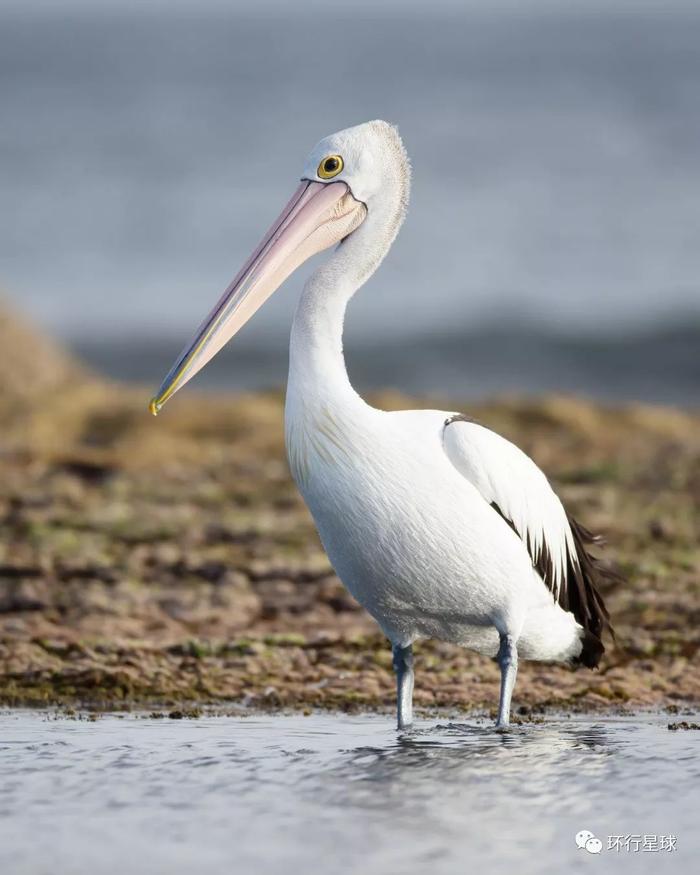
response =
{"points": [[170, 562]]}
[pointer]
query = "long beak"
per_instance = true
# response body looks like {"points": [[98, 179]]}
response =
{"points": [[318, 216]]}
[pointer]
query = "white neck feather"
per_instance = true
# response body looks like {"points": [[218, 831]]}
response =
{"points": [[317, 372]]}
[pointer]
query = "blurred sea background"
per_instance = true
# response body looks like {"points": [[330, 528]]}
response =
{"points": [[552, 242]]}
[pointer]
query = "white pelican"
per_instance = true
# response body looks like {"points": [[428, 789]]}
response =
{"points": [[439, 527]]}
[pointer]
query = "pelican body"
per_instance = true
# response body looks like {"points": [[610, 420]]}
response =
{"points": [[439, 527]]}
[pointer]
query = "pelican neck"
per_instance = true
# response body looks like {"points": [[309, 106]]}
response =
{"points": [[316, 362], [317, 366]]}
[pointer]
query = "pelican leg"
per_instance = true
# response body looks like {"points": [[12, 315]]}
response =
{"points": [[507, 659], [403, 666]]}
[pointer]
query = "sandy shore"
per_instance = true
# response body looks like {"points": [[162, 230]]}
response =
{"points": [[171, 561]]}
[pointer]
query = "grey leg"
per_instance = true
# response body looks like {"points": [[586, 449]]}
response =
{"points": [[403, 666], [507, 659]]}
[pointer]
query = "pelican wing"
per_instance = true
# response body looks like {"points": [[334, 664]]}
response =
{"points": [[517, 490]]}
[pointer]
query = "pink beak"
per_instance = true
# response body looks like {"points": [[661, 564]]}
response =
{"points": [[318, 216]]}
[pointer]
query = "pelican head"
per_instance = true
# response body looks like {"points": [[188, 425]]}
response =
{"points": [[349, 176]]}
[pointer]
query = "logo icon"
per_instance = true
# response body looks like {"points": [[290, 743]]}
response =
{"points": [[586, 841]]}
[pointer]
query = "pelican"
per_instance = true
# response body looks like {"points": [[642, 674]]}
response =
{"points": [[438, 526]]}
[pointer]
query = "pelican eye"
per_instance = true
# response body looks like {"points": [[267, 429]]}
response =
{"points": [[330, 167]]}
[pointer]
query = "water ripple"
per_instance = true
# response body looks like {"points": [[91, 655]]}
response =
{"points": [[143, 795]]}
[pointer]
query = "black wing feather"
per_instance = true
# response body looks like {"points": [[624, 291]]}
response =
{"points": [[579, 592]]}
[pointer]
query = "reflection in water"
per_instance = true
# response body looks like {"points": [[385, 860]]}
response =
{"points": [[330, 792], [460, 785]]}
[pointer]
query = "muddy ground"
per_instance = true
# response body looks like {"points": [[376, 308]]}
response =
{"points": [[170, 561]]}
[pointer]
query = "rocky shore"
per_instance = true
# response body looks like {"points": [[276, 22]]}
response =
{"points": [[171, 563]]}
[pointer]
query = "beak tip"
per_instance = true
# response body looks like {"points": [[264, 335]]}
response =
{"points": [[154, 406]]}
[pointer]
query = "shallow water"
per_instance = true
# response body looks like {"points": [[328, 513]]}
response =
{"points": [[333, 793]]}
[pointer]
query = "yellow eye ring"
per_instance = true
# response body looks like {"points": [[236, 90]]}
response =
{"points": [[330, 167]]}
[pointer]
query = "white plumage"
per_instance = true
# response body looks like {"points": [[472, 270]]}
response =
{"points": [[439, 527], [414, 539], [511, 481]]}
